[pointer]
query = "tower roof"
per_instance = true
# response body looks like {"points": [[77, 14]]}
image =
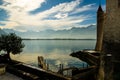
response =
{"points": [[100, 9]]}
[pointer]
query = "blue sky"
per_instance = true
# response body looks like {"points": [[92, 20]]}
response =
{"points": [[39, 15]]}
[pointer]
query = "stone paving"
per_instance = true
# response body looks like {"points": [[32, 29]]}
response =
{"points": [[8, 76]]}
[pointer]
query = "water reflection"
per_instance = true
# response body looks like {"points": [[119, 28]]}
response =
{"points": [[54, 51]]}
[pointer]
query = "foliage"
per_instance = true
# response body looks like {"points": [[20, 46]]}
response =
{"points": [[11, 43]]}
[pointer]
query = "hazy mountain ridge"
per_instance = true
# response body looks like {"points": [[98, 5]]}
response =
{"points": [[2, 32], [75, 32]]}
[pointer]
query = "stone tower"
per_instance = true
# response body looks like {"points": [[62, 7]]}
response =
{"points": [[111, 40], [100, 22], [112, 21]]}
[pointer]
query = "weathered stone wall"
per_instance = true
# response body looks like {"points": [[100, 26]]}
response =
{"points": [[112, 29], [112, 24], [111, 40]]}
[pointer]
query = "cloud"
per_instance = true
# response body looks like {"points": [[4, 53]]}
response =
{"points": [[56, 17], [24, 5], [84, 8], [60, 15]]}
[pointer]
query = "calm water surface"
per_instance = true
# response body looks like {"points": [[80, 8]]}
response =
{"points": [[55, 52]]}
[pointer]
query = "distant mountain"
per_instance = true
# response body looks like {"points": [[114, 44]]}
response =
{"points": [[75, 32], [2, 32], [9, 30]]}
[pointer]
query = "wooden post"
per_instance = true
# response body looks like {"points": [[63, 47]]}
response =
{"points": [[47, 66], [61, 68], [41, 63]]}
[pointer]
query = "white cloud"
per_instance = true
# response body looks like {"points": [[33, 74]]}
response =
{"points": [[61, 8], [84, 8], [60, 15], [24, 5], [19, 17]]}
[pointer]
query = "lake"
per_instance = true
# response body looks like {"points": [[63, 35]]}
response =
{"points": [[55, 52]]}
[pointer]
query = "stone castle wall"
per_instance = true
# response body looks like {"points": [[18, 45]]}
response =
{"points": [[112, 22], [111, 40]]}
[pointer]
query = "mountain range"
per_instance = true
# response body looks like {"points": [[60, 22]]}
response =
{"points": [[88, 32], [2, 32]]}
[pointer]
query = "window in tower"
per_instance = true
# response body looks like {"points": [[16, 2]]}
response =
{"points": [[119, 3]]}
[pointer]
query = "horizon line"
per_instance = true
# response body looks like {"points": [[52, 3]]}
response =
{"points": [[57, 39]]}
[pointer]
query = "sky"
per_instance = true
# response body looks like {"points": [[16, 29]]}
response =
{"points": [[38, 15]]}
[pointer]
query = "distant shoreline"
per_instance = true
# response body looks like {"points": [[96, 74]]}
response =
{"points": [[57, 39]]}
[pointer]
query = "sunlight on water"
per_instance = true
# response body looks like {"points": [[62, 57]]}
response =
{"points": [[55, 52], [54, 59]]}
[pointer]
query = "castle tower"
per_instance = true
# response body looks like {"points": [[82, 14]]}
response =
{"points": [[100, 22], [112, 22], [111, 40]]}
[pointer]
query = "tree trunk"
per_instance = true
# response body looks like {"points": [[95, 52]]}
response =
{"points": [[8, 55]]}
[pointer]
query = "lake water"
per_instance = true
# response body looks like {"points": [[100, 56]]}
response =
{"points": [[55, 52]]}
